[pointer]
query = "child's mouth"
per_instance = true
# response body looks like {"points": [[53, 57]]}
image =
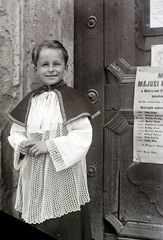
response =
{"points": [[51, 76]]}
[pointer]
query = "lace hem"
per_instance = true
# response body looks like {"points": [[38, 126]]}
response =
{"points": [[50, 215]]}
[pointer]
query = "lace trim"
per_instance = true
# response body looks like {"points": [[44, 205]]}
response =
{"points": [[55, 156], [17, 161]]}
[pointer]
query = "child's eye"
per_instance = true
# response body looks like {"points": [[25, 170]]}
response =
{"points": [[56, 64], [45, 64]]}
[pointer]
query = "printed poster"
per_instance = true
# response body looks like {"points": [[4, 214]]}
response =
{"points": [[157, 55], [156, 13], [148, 115]]}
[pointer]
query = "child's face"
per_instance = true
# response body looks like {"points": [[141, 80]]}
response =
{"points": [[51, 66]]}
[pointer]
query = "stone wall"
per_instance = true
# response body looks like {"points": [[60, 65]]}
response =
{"points": [[24, 23]]}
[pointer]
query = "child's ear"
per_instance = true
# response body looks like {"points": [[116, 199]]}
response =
{"points": [[35, 68], [66, 68]]}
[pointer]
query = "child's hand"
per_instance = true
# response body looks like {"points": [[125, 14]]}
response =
{"points": [[24, 147], [37, 148]]}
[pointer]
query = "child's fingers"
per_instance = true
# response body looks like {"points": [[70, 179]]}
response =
{"points": [[23, 150], [37, 153], [33, 150], [37, 148], [24, 143], [29, 144]]}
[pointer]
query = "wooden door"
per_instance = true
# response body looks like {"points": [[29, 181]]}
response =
{"points": [[109, 44], [89, 78], [132, 191]]}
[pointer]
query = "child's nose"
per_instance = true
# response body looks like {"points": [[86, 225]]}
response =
{"points": [[51, 68]]}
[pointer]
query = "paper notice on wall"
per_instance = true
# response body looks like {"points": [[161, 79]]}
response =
{"points": [[157, 55], [148, 115], [156, 13]]}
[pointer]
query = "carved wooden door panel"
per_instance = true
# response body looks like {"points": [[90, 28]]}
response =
{"points": [[132, 191], [125, 195]]}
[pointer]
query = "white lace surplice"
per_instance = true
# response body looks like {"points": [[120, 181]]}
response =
{"points": [[55, 183]]}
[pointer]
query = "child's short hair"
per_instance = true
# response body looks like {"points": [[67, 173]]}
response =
{"points": [[53, 44]]}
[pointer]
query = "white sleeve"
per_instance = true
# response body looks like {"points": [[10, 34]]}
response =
{"points": [[65, 151], [17, 135]]}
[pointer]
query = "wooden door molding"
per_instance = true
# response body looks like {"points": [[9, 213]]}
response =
{"points": [[148, 177], [132, 192], [136, 229], [118, 123], [122, 72]]}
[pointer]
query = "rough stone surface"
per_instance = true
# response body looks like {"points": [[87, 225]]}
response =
{"points": [[24, 23]]}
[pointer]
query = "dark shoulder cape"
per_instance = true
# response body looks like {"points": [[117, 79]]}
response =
{"points": [[73, 104]]}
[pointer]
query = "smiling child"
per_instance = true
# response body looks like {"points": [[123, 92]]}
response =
{"points": [[51, 135]]}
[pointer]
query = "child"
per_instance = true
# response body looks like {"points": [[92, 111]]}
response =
{"points": [[51, 135]]}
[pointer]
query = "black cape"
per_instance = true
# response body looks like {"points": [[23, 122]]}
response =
{"points": [[73, 104]]}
